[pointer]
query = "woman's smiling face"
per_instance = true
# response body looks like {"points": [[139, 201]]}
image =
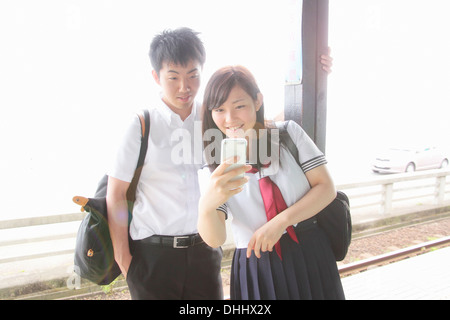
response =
{"points": [[237, 114]]}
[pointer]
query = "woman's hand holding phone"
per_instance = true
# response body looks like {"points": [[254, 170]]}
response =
{"points": [[222, 185], [225, 183]]}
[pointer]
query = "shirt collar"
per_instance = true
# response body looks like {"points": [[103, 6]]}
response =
{"points": [[274, 165], [271, 170], [171, 117]]}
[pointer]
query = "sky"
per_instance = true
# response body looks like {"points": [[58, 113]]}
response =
{"points": [[73, 73], [390, 79]]}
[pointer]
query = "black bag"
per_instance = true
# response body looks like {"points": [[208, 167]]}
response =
{"points": [[94, 254], [335, 219]]}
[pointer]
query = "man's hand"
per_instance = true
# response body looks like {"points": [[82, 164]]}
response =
{"points": [[327, 61]]}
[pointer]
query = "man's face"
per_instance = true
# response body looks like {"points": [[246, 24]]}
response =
{"points": [[179, 85]]}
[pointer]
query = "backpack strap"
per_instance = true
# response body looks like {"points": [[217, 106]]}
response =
{"points": [[144, 118], [287, 141]]}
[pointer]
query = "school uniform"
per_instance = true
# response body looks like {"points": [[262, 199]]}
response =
{"points": [[307, 270], [170, 260]]}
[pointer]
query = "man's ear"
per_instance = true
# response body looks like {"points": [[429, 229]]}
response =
{"points": [[259, 101], [156, 77]]}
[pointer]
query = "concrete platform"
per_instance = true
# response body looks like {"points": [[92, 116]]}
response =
{"points": [[424, 277]]}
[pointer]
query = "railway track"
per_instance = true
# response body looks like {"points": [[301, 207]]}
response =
{"points": [[359, 266]]}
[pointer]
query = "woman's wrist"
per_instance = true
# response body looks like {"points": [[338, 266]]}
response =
{"points": [[204, 207]]}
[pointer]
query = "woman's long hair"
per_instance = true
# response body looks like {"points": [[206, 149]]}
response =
{"points": [[216, 93]]}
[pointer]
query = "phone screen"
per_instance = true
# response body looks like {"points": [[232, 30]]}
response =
{"points": [[234, 147]]}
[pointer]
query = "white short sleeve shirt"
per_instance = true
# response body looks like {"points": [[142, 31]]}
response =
{"points": [[168, 192]]}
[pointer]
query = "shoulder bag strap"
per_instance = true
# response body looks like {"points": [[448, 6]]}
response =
{"points": [[145, 126], [287, 141]]}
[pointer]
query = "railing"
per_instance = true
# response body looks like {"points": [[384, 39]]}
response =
{"points": [[382, 195], [387, 193], [19, 234]]}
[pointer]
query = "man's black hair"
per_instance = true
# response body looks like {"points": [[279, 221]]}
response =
{"points": [[176, 46]]}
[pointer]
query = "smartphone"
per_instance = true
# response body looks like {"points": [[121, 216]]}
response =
{"points": [[234, 147]]}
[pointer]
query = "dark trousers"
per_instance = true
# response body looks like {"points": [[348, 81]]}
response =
{"points": [[161, 272]]}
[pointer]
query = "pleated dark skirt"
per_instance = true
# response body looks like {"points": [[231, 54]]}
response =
{"points": [[307, 270]]}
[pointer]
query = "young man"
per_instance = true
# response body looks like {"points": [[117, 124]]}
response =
{"points": [[169, 260]]}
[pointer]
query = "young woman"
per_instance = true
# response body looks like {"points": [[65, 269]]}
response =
{"points": [[302, 266]]}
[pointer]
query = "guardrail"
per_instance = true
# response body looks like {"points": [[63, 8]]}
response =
{"points": [[381, 195], [386, 193]]}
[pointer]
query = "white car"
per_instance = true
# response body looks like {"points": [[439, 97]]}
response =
{"points": [[395, 160]]}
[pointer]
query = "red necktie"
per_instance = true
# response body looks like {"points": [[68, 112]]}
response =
{"points": [[273, 203]]}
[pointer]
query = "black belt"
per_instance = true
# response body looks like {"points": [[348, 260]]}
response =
{"points": [[178, 242]]}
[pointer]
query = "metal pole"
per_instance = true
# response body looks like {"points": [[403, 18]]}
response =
{"points": [[305, 102]]}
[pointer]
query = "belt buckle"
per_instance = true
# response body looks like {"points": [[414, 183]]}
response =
{"points": [[175, 242]]}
